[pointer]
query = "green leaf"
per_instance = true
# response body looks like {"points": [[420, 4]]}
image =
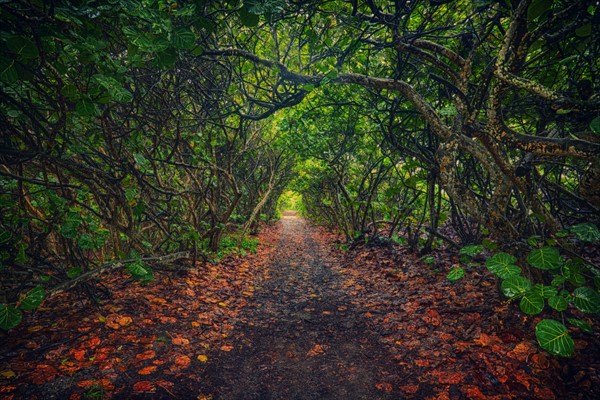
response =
{"points": [[515, 286], [455, 274], [546, 258], [502, 265], [559, 303], [544, 291], [585, 30], [70, 92], [309, 87], [586, 232], [9, 316], [554, 337], [33, 298], [23, 47], [183, 38], [587, 300], [137, 269], [86, 242], [86, 108], [248, 19], [595, 125], [532, 303], [581, 324], [537, 8], [471, 250], [4, 236], [74, 272], [8, 72]]}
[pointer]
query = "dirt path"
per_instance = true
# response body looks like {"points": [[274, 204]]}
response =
{"points": [[302, 338]]}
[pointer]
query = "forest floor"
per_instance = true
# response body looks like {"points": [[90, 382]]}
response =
{"points": [[299, 319]]}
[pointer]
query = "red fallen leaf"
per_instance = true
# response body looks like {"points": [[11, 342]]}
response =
{"points": [[147, 370], [544, 393], [94, 342], [105, 384], [168, 320], [410, 389], [386, 387], [473, 392], [79, 355], [43, 373], [146, 355], [144, 386], [422, 363], [75, 396]]}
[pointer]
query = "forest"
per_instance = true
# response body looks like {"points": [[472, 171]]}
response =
{"points": [[145, 138]]}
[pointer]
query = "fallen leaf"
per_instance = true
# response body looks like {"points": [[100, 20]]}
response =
{"points": [[316, 350], [144, 386], [125, 321], [183, 361], [79, 355], [202, 358], [8, 374], [179, 341], [147, 370], [226, 347], [386, 387], [146, 355]]}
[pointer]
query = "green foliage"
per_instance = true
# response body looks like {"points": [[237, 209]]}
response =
{"points": [[455, 274], [515, 286], [532, 303], [586, 232], [33, 298], [471, 250], [10, 316], [581, 324], [546, 258], [587, 300], [554, 337], [502, 265]]}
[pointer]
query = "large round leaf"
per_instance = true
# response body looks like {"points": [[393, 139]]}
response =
{"points": [[183, 38], [559, 303], [586, 232], [515, 286], [546, 258], [544, 291], [9, 316], [23, 47], [587, 300], [532, 303], [33, 298], [455, 274], [502, 265], [554, 337]]}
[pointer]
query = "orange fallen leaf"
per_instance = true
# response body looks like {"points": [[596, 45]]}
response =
{"points": [[147, 370], [125, 321], [226, 347], [146, 355], [316, 350], [179, 341], [94, 342], [183, 361], [79, 355]]}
